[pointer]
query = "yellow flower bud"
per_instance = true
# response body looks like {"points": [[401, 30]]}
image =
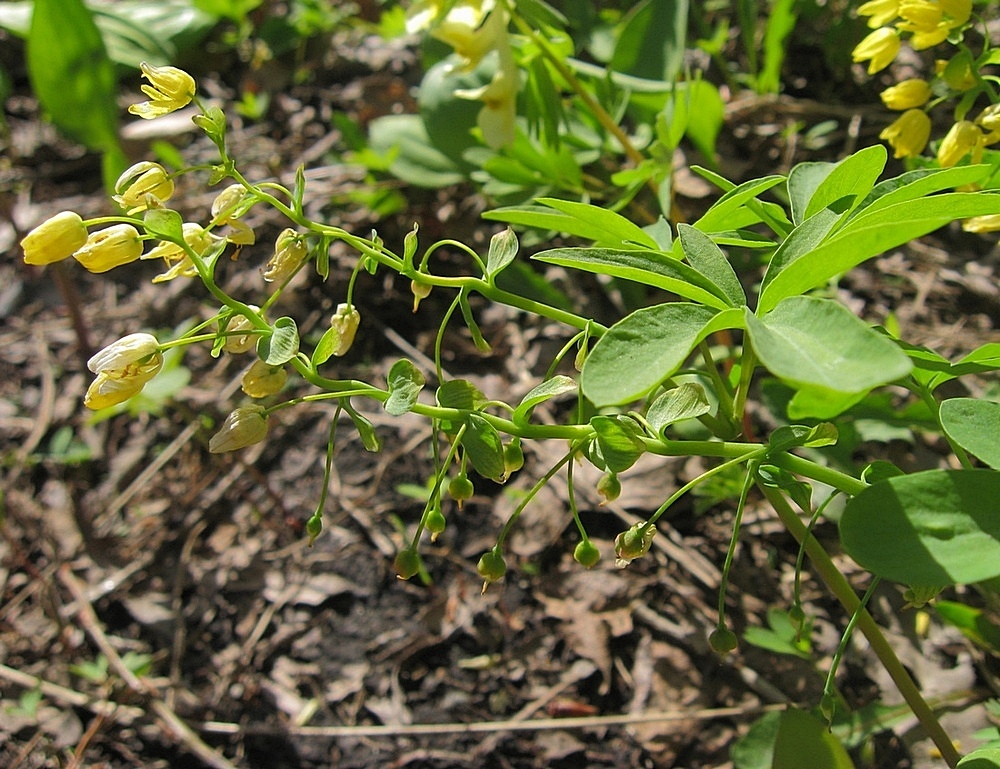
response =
{"points": [[54, 239], [908, 134], [290, 251], [907, 94], [986, 223], [263, 379], [245, 426], [169, 90], [879, 49], [346, 321], [238, 343], [122, 369], [228, 204], [109, 248], [881, 12], [962, 138], [144, 185]]}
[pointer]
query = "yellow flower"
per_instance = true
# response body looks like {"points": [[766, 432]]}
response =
{"points": [[245, 426], [497, 118], [263, 379], [907, 94], [239, 343], [109, 248], [464, 30], [122, 369], [932, 22], [879, 49], [144, 185], [962, 138], [987, 223], [880, 11], [178, 261], [169, 90], [290, 251], [346, 321], [54, 239], [909, 134]]}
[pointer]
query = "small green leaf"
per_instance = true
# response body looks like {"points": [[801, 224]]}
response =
{"points": [[503, 249], [841, 185], [937, 527], [484, 448], [405, 383], [973, 622], [819, 343], [369, 438], [721, 215], [618, 440], [686, 401], [550, 388], [612, 228], [984, 758], [779, 478], [164, 224], [281, 345], [460, 394], [975, 426], [643, 349], [326, 346], [706, 257], [792, 436]]}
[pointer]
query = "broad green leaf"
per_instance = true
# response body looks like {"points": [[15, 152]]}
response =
{"points": [[405, 383], [819, 343], [326, 346], [652, 42], [653, 268], [720, 215], [138, 30], [918, 184], [804, 740], [448, 119], [616, 228], [975, 426], [416, 160], [755, 750], [706, 257], [932, 528], [686, 401], [74, 79], [984, 758], [821, 403], [974, 623], [870, 234], [706, 115], [550, 388], [847, 182], [782, 636], [484, 448], [800, 242], [460, 394], [503, 249], [618, 441], [281, 345], [165, 224], [643, 349]]}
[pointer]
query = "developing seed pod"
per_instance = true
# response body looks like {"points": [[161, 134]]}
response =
{"points": [[609, 488], [314, 527], [586, 554], [723, 640], [460, 489], [407, 563], [491, 567], [633, 543], [513, 456], [420, 292], [436, 523]]}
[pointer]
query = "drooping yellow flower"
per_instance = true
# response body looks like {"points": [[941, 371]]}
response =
{"points": [[263, 379], [907, 94], [169, 90], [880, 12], [227, 208], [879, 48], [497, 118], [465, 31], [245, 426], [908, 134], [962, 138], [179, 264], [109, 248], [346, 321], [989, 120], [239, 343], [986, 223], [144, 185], [122, 369], [54, 239], [290, 251], [931, 21]]}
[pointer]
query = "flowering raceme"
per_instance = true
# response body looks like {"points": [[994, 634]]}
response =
{"points": [[169, 90], [55, 239]]}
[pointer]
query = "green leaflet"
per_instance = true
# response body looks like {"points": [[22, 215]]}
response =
{"points": [[975, 426]]}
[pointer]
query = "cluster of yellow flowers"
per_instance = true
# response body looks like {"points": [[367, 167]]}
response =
{"points": [[124, 367], [476, 28], [925, 23]]}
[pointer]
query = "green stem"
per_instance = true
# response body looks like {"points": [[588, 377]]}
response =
{"points": [[838, 585]]}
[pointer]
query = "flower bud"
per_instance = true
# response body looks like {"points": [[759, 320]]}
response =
{"points": [[169, 90], [346, 321], [229, 204], [723, 640], [263, 379], [109, 248], [420, 292], [962, 138], [407, 563], [245, 426], [436, 523], [290, 251], [908, 134], [586, 554], [54, 239], [985, 223], [513, 456], [633, 543], [491, 567], [609, 488], [907, 94], [460, 489], [238, 343], [918, 596], [144, 185]]}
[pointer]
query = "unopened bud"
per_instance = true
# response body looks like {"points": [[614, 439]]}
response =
{"points": [[460, 489], [491, 567], [407, 563], [245, 426], [723, 640], [263, 379], [513, 456], [54, 239], [586, 554], [290, 251], [144, 185], [346, 321], [609, 487], [420, 292]]}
